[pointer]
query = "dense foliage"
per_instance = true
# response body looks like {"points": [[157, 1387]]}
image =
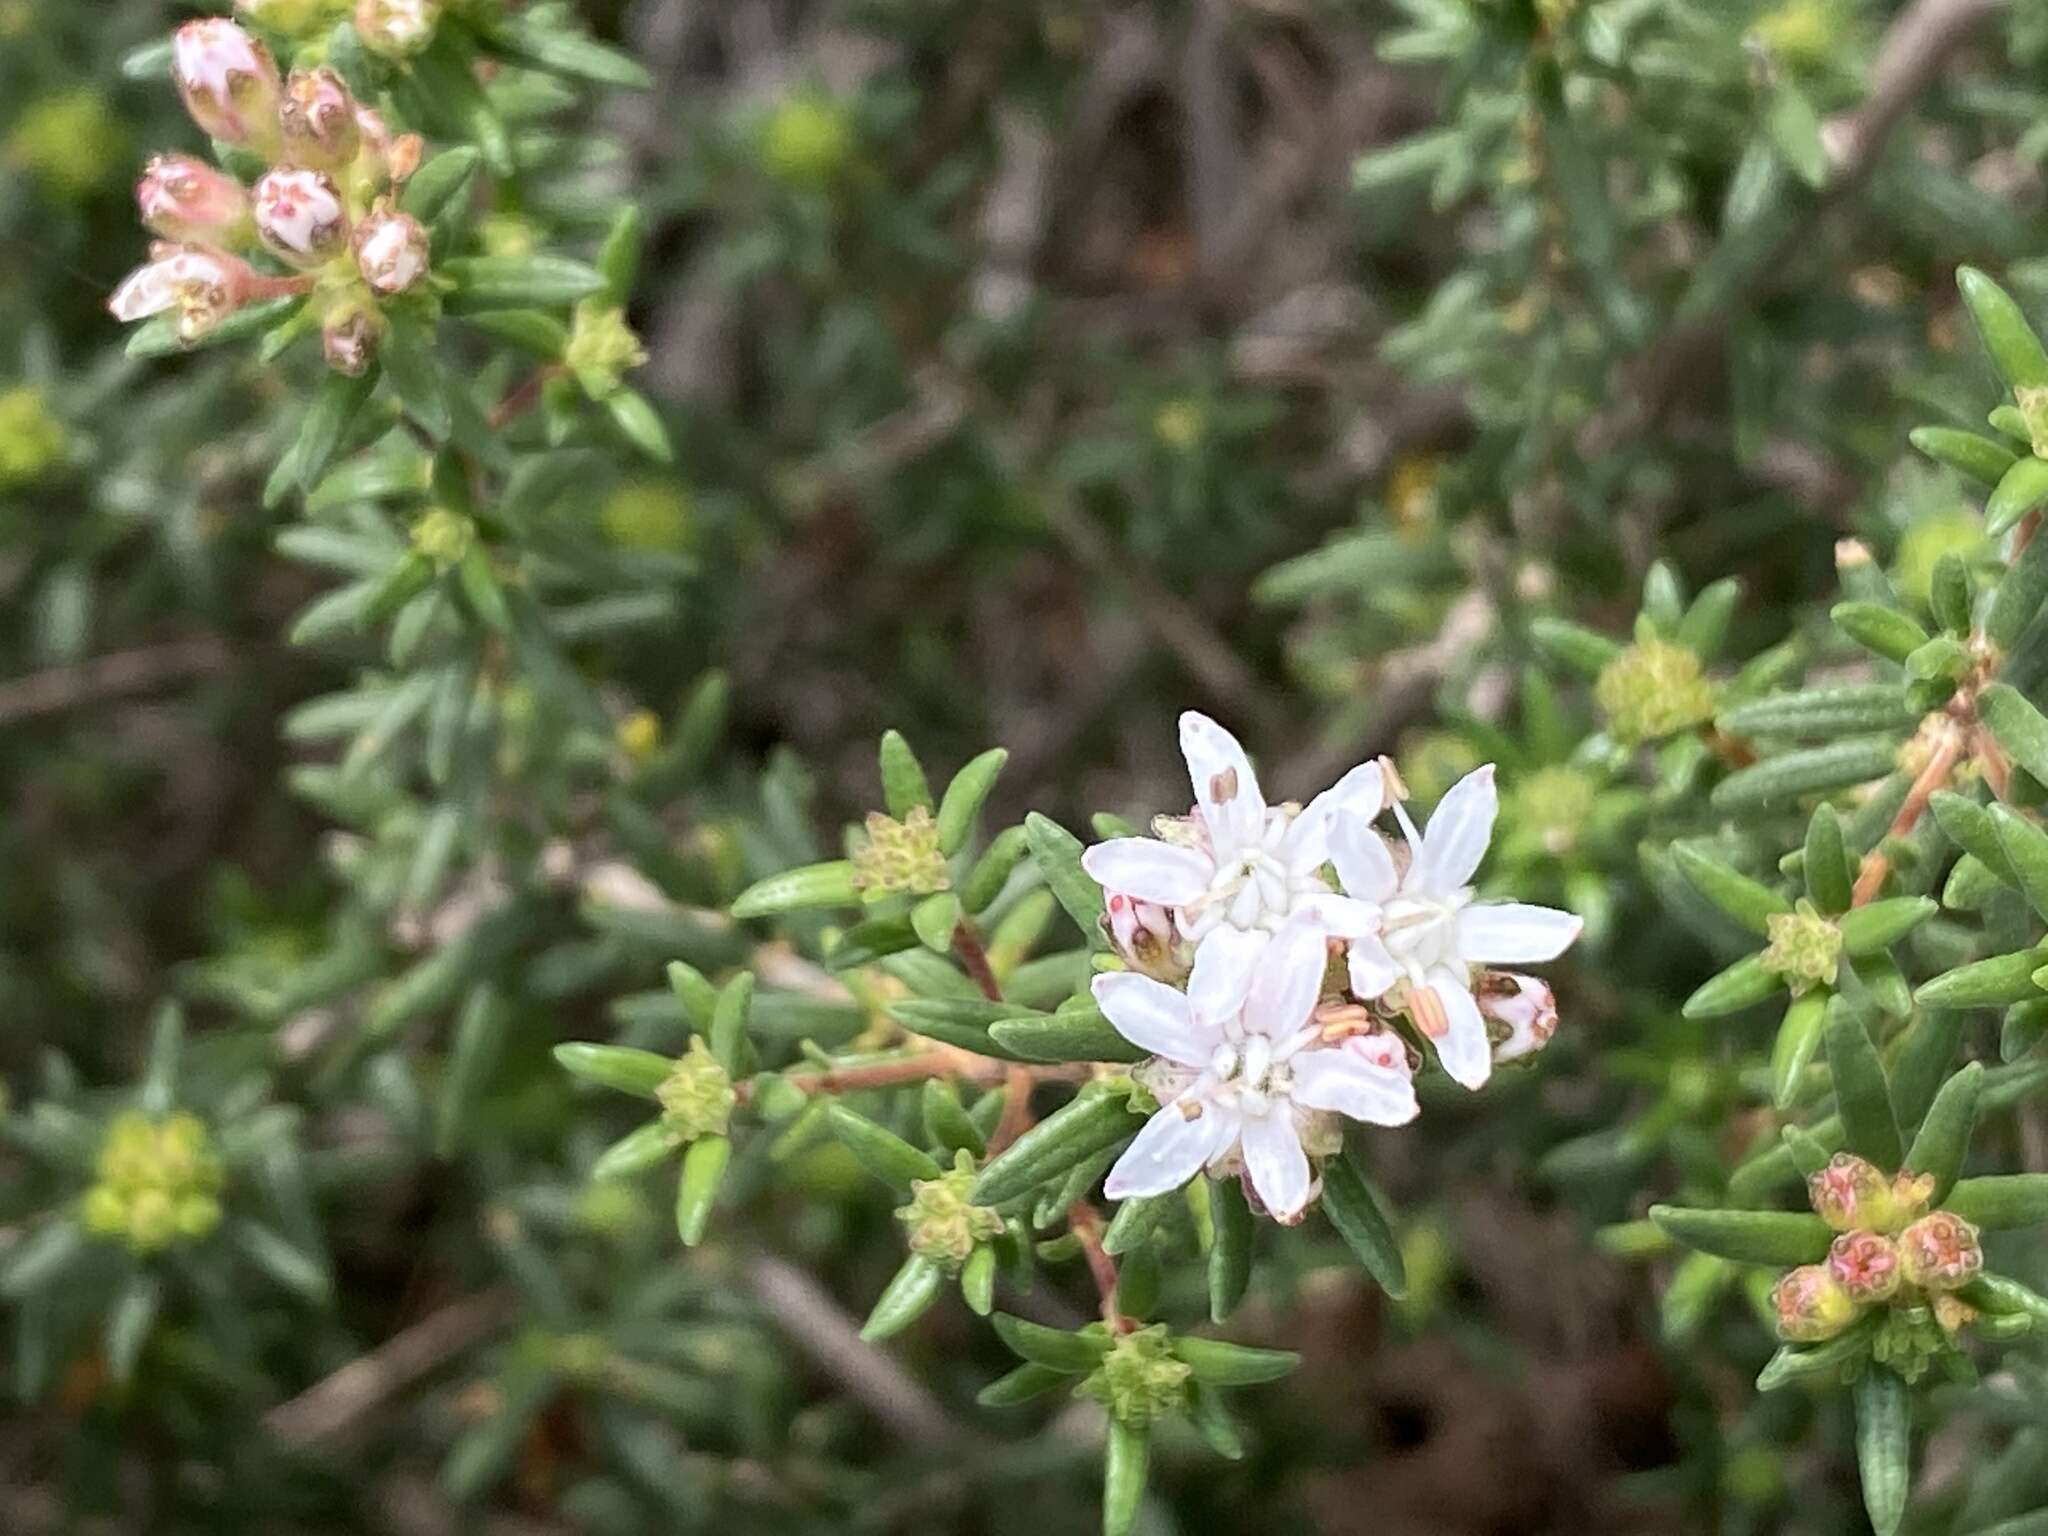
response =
{"points": [[1588, 452]]}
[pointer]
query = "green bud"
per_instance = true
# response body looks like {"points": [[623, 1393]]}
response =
{"points": [[1805, 948], [1941, 1252], [1652, 690], [602, 348], [443, 537], [1140, 1379], [697, 1098], [1812, 1304], [900, 857], [945, 1226]]}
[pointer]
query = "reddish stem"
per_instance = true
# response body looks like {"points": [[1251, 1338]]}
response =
{"points": [[523, 396], [1086, 1224]]}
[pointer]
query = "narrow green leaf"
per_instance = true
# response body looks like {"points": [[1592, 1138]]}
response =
{"points": [[1884, 1429], [1128, 1449], [1821, 713], [879, 1150], [703, 1171], [1969, 826], [1878, 925], [2025, 847], [1223, 1364], [1885, 631], [1054, 1348], [815, 885], [1814, 770], [1072, 1034], [1862, 1096], [2020, 490], [964, 797], [2014, 349], [1740, 986], [1991, 983], [1580, 649], [616, 1066], [1354, 1210], [904, 1300], [1829, 878], [1028, 1381], [1749, 1237], [1058, 855], [1231, 1236], [730, 1016], [2001, 1200], [1091, 1123], [1967, 453], [635, 1152], [1944, 1136], [1798, 1038], [2017, 725], [1747, 901], [992, 871], [904, 786], [517, 282]]}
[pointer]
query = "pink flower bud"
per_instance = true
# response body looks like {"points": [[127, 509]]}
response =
{"points": [[391, 249], [204, 286], [397, 28], [1525, 1004], [183, 198], [1144, 935], [1941, 1251], [349, 337], [1866, 1263], [300, 217], [1812, 1305], [392, 157], [1850, 1194], [317, 119], [229, 82]]}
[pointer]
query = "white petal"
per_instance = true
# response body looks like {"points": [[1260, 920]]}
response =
{"points": [[145, 291], [1361, 793], [1365, 865], [1275, 1163], [1506, 931], [1287, 980], [1455, 840], [1154, 1017], [1463, 1048], [1222, 974], [1372, 969], [1169, 1151], [1148, 869], [1340, 1078], [1340, 916], [1226, 789]]}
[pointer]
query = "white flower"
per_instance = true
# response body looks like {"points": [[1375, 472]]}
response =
{"points": [[203, 285], [1243, 1069], [1241, 864], [1431, 934], [300, 216], [1525, 1005], [228, 80], [391, 250]]}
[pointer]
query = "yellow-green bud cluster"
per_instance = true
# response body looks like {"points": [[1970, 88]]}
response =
{"points": [[1805, 948], [443, 536], [900, 857], [1140, 1379], [158, 1182], [806, 142], [1652, 690], [31, 439], [602, 348], [1891, 1252], [697, 1097], [944, 1225]]}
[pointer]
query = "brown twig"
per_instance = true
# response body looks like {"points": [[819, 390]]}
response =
{"points": [[1948, 751], [1086, 1224], [110, 676], [523, 396], [967, 945]]}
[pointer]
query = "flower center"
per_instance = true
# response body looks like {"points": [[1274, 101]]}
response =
{"points": [[1421, 931], [1248, 1076]]}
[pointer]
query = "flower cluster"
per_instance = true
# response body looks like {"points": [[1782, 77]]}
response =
{"points": [[158, 1182], [1891, 1251], [1268, 1044], [320, 221]]}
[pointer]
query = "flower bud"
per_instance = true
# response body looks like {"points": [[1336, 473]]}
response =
{"points": [[1866, 1263], [1140, 1379], [1805, 948], [391, 249], [204, 286], [900, 857], [393, 157], [397, 29], [602, 348], [317, 120], [349, 336], [1144, 935], [228, 81], [294, 18], [697, 1097], [1941, 1251], [1652, 690], [1850, 1194], [945, 1226], [1812, 1304], [1524, 1005], [300, 217], [181, 197]]}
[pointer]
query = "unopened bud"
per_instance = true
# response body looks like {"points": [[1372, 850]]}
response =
{"points": [[228, 81], [204, 286], [349, 337], [602, 348], [697, 1098], [900, 857], [1652, 690], [1850, 1195], [1144, 934], [391, 249], [393, 157], [1867, 1263], [397, 29], [1941, 1252], [1812, 1304], [446, 537], [317, 120], [300, 217], [1140, 1379], [1805, 948], [181, 197], [1523, 1006], [944, 1225]]}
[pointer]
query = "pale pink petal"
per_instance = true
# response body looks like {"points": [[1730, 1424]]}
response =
{"points": [[1148, 869], [1372, 969], [1275, 1164], [1463, 1047], [1455, 840], [1365, 865], [1287, 980], [1346, 1081], [1169, 1151], [1361, 793], [1155, 1017], [1222, 974], [1226, 789], [144, 292], [1509, 931], [1340, 916]]}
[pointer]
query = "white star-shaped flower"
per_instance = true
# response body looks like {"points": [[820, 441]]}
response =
{"points": [[1242, 1068], [1243, 864], [1431, 934]]}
